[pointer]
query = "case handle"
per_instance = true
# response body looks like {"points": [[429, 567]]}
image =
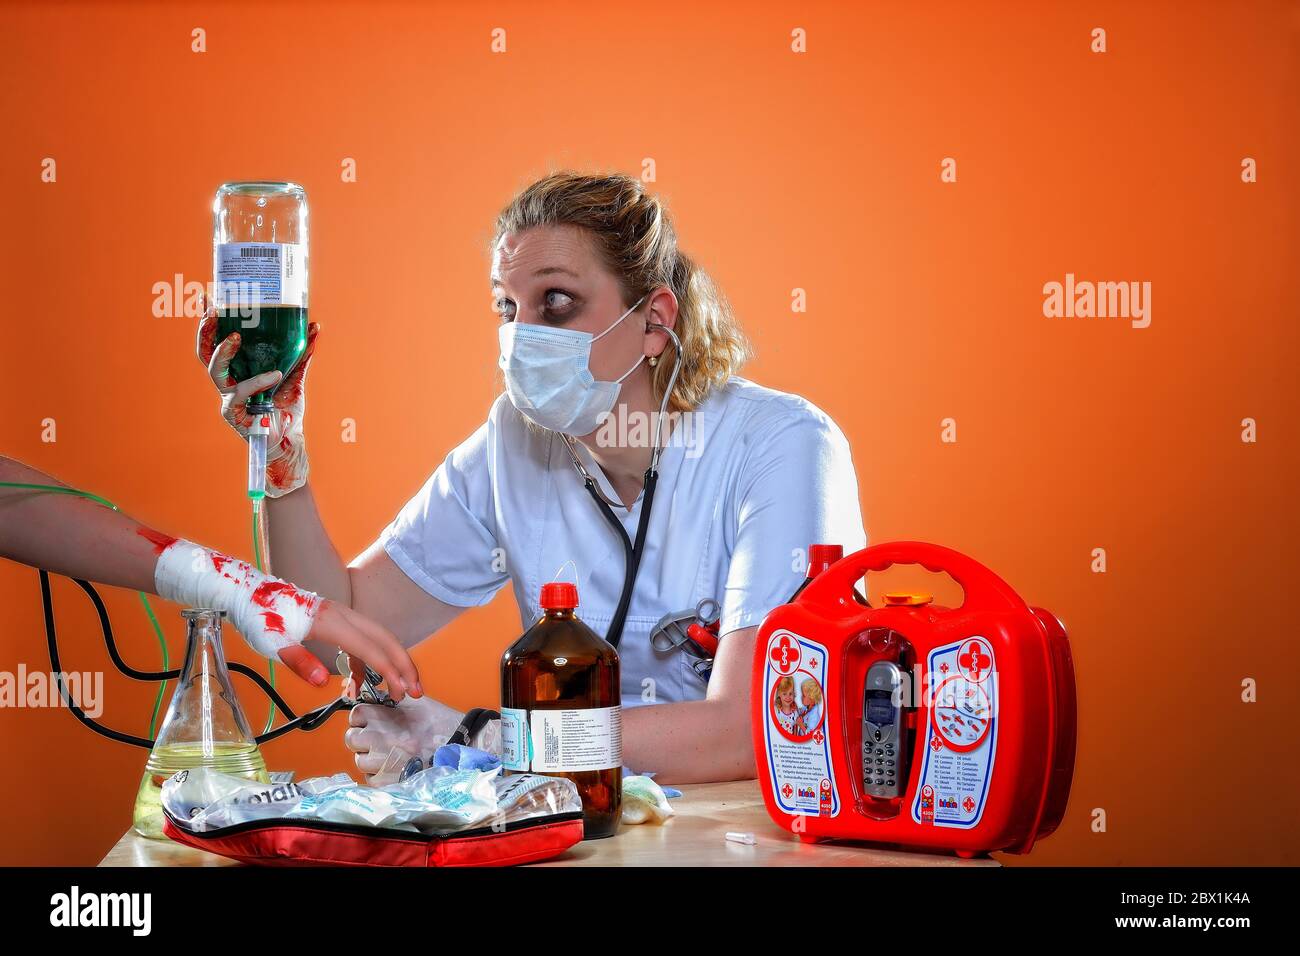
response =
{"points": [[981, 588]]}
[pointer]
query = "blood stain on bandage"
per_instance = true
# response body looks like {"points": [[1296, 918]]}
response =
{"points": [[274, 622], [264, 596], [219, 561], [266, 593], [161, 542]]}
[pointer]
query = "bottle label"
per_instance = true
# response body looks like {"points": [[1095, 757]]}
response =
{"points": [[260, 273], [562, 741], [514, 738]]}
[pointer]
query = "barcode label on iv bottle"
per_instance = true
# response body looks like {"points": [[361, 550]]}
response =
{"points": [[562, 741], [260, 273]]}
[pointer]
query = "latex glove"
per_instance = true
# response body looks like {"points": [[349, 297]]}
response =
{"points": [[286, 448], [417, 726], [485, 754]]}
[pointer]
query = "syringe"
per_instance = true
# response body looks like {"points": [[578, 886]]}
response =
{"points": [[257, 435]]}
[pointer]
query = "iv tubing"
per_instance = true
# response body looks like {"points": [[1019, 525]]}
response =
{"points": [[258, 432], [259, 534], [308, 721]]}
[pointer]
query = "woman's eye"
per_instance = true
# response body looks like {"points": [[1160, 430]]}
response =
{"points": [[556, 303], [556, 306]]}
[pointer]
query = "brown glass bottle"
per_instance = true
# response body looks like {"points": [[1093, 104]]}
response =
{"points": [[561, 708]]}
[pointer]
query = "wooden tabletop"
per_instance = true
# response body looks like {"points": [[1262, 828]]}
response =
{"points": [[694, 836]]}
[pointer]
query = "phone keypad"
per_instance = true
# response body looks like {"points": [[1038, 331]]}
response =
{"points": [[879, 766]]}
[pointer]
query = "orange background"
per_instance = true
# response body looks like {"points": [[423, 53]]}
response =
{"points": [[818, 171]]}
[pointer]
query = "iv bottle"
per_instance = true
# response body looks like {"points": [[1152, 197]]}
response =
{"points": [[259, 274], [561, 712], [204, 726]]}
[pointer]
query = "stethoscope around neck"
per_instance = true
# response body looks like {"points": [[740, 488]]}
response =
{"points": [[632, 549]]}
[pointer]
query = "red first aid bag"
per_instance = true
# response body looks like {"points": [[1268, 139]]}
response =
{"points": [[281, 842]]}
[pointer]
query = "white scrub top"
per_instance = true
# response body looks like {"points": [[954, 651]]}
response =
{"points": [[745, 485]]}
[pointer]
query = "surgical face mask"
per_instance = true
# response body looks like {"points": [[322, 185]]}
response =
{"points": [[548, 375]]}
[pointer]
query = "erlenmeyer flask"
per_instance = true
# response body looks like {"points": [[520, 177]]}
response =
{"points": [[204, 726]]}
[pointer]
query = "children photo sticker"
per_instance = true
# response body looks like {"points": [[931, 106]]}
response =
{"points": [[796, 706], [794, 733]]}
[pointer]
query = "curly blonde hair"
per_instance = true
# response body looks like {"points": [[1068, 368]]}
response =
{"points": [[637, 242], [812, 689]]}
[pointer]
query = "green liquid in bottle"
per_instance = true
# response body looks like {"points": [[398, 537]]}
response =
{"points": [[273, 337], [242, 759]]}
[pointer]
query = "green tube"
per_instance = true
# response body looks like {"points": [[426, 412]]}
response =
{"points": [[257, 558]]}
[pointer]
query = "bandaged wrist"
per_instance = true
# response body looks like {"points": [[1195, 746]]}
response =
{"points": [[270, 613]]}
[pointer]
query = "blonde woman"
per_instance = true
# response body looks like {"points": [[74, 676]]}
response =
{"points": [[587, 277]]}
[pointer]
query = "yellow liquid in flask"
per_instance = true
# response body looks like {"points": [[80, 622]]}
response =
{"points": [[242, 759]]}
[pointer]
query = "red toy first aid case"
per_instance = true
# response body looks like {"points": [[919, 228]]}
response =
{"points": [[909, 723]]}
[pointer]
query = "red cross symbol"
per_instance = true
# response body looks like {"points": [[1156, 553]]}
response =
{"points": [[934, 743], [943, 668], [812, 662], [785, 655], [974, 661], [787, 790], [818, 737], [968, 804]]}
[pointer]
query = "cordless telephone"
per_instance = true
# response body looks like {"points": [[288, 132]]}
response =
{"points": [[884, 750]]}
